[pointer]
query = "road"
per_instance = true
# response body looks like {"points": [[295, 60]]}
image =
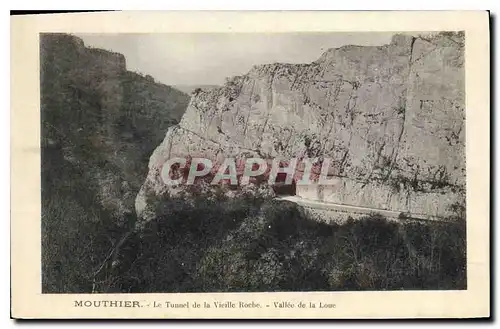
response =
{"points": [[351, 209]]}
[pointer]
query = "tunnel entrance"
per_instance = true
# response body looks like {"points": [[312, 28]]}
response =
{"points": [[283, 189]]}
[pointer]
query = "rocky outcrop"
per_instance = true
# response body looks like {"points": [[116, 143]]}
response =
{"points": [[390, 117]]}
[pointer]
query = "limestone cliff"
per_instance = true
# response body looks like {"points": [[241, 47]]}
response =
{"points": [[390, 117]]}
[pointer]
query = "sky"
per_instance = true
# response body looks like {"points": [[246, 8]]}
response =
{"points": [[208, 58]]}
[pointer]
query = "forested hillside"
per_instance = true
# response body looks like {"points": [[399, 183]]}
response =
{"points": [[99, 125]]}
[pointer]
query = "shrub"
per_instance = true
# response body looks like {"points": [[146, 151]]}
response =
{"points": [[271, 246]]}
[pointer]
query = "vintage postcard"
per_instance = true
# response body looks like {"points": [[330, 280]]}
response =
{"points": [[278, 165]]}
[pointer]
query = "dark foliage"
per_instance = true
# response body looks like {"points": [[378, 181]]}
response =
{"points": [[256, 245]]}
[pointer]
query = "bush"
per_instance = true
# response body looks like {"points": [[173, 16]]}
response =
{"points": [[242, 246]]}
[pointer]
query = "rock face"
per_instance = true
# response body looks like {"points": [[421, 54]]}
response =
{"points": [[391, 118]]}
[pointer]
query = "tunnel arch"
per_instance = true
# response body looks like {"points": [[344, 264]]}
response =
{"points": [[283, 189]]}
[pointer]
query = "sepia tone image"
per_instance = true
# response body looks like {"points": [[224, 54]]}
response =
{"points": [[253, 162]]}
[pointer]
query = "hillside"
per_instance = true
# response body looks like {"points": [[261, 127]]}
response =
{"points": [[189, 89], [99, 125]]}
